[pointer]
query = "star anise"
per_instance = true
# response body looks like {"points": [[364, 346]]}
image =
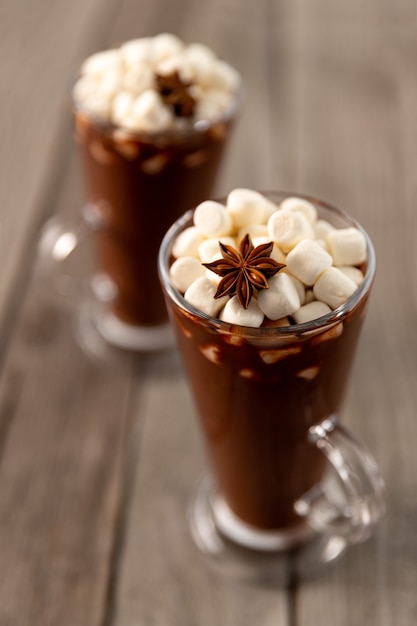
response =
{"points": [[244, 271], [175, 93]]}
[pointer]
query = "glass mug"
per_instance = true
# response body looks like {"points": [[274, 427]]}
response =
{"points": [[284, 473], [136, 185]]}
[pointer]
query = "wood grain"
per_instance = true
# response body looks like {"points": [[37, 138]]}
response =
{"points": [[97, 458]]}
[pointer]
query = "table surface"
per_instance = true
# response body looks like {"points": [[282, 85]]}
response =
{"points": [[98, 457]]}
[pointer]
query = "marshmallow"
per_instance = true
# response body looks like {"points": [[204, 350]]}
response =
{"points": [[137, 51], [86, 87], [301, 205], [307, 260], [234, 313], [184, 271], [200, 62], [322, 229], [121, 107], [277, 254], [280, 299], [149, 114], [311, 311], [200, 294], [299, 287], [138, 79], [347, 246], [187, 242], [334, 287], [212, 219], [225, 77], [249, 207], [209, 249], [354, 273], [256, 231], [288, 228], [98, 105], [164, 46], [111, 82], [102, 62], [212, 105]]}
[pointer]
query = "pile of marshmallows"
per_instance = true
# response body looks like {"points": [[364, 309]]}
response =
{"points": [[321, 261], [117, 86]]}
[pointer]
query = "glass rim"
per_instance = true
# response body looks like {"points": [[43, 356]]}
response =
{"points": [[177, 131], [319, 323]]}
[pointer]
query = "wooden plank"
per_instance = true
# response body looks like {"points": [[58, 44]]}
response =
{"points": [[39, 49], [354, 100], [62, 475]]}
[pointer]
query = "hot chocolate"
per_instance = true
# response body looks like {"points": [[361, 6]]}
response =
{"points": [[152, 118], [267, 368]]}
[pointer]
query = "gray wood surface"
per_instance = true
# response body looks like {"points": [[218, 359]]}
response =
{"points": [[96, 468]]}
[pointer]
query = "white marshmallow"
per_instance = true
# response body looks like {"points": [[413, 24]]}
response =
{"points": [[209, 249], [85, 87], [249, 207], [334, 287], [307, 260], [102, 62], [184, 271], [200, 294], [111, 82], [177, 63], [212, 219], [256, 231], [121, 107], [138, 79], [234, 313], [354, 273], [322, 229], [311, 311], [280, 299], [347, 246], [299, 287], [211, 106], [137, 51], [187, 242], [149, 114], [98, 105], [164, 46], [287, 228], [200, 62], [277, 254], [225, 77], [301, 205]]}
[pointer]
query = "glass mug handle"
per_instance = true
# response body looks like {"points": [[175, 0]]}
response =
{"points": [[58, 241], [350, 500]]}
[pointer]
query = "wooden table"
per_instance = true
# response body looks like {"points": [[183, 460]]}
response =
{"points": [[96, 467]]}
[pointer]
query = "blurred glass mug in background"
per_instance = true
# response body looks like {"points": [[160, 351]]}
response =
{"points": [[151, 120], [284, 473]]}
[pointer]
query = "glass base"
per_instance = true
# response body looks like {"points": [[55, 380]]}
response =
{"points": [[245, 553], [102, 334]]}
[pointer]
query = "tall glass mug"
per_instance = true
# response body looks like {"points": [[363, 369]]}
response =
{"points": [[151, 119], [284, 473]]}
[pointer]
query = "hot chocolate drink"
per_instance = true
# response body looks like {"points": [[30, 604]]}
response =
{"points": [[267, 327], [152, 118]]}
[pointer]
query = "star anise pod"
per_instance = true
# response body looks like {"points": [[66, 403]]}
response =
{"points": [[175, 93], [244, 271]]}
